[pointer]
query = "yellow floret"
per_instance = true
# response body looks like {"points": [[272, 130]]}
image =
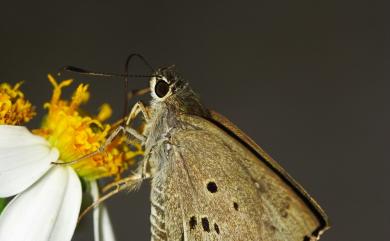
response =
{"points": [[76, 135], [14, 108]]}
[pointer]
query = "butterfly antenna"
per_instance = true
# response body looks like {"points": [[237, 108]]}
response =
{"points": [[126, 79], [81, 71], [125, 75]]}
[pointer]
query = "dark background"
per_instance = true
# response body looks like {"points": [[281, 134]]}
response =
{"points": [[305, 79]]}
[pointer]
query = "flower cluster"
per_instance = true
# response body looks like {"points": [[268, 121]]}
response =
{"points": [[14, 108], [76, 135], [33, 165]]}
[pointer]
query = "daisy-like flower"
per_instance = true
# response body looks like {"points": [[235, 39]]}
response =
{"points": [[49, 196]]}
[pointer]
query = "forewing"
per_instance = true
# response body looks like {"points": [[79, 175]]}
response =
{"points": [[220, 190]]}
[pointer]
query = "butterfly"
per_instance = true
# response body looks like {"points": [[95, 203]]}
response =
{"points": [[209, 180]]}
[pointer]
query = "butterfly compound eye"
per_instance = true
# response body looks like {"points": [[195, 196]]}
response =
{"points": [[161, 88]]}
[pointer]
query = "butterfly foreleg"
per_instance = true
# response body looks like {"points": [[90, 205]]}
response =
{"points": [[107, 142], [135, 134], [139, 107]]}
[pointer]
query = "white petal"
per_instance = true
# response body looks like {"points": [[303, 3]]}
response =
{"points": [[23, 159], [102, 226], [48, 210], [11, 136], [69, 212]]}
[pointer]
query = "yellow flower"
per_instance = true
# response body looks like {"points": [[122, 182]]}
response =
{"points": [[14, 108], [76, 135], [66, 135]]}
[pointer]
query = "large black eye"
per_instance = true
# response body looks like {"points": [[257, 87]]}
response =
{"points": [[161, 88]]}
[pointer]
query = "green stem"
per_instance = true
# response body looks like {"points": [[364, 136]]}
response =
{"points": [[3, 203]]}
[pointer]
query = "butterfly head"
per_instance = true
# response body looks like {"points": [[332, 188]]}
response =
{"points": [[166, 83], [170, 89]]}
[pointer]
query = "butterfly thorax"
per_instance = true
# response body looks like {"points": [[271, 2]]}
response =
{"points": [[164, 123]]}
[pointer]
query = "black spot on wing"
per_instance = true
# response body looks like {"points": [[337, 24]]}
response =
{"points": [[192, 222], [216, 228], [212, 187], [235, 205], [205, 224]]}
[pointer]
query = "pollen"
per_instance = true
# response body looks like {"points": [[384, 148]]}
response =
{"points": [[14, 108], [75, 134]]}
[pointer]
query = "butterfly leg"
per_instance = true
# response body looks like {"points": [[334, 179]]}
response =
{"points": [[108, 141], [99, 150], [133, 180], [139, 107], [116, 132], [125, 183], [130, 183]]}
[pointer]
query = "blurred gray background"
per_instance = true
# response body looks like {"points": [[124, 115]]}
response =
{"points": [[305, 79]]}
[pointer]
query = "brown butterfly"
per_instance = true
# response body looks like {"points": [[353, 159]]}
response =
{"points": [[209, 180]]}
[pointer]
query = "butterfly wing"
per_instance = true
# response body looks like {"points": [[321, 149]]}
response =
{"points": [[220, 189], [239, 135]]}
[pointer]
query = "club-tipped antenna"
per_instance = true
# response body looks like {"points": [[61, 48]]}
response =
{"points": [[125, 75], [102, 74], [126, 79]]}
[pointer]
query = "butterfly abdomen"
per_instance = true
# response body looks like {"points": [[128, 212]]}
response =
{"points": [[157, 215]]}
